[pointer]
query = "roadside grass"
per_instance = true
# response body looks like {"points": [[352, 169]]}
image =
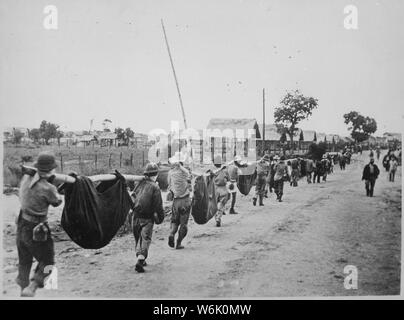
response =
{"points": [[84, 161]]}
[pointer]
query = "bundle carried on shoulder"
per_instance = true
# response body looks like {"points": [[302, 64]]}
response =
{"points": [[93, 214], [204, 204], [247, 178]]}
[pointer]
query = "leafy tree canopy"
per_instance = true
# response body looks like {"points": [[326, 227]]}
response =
{"points": [[361, 127], [293, 108]]}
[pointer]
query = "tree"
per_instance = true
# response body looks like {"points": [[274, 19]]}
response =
{"points": [[34, 134], [17, 136], [48, 131], [294, 108], [301, 138], [106, 124], [361, 127], [316, 151], [120, 133], [129, 133], [59, 135]]}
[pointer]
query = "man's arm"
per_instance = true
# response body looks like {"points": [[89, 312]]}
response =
{"points": [[53, 197], [158, 206]]}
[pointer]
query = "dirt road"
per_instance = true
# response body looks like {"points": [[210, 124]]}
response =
{"points": [[295, 248]]}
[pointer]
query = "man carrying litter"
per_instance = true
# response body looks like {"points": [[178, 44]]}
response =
{"points": [[234, 171], [179, 184], [221, 178], [147, 210], [263, 168], [34, 238]]}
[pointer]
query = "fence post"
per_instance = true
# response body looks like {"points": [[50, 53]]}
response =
{"points": [[96, 161], [79, 160], [109, 161], [143, 158], [201, 149], [120, 160], [61, 162], [131, 159]]}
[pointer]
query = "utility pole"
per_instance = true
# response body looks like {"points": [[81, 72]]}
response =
{"points": [[263, 119], [175, 75]]}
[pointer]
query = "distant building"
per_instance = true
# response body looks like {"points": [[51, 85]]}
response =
{"points": [[86, 140], [229, 137], [139, 141], [107, 139], [393, 139]]}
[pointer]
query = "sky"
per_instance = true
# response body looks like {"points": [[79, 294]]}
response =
{"points": [[108, 60]]}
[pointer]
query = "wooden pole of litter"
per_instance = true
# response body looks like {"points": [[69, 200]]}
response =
{"points": [[64, 178]]}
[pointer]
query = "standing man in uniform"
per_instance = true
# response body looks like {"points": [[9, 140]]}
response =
{"points": [[318, 171], [393, 168], [370, 174], [294, 163], [34, 238], [260, 182], [309, 169], [325, 164], [281, 171], [221, 178], [234, 171], [147, 210], [378, 151], [179, 184]]}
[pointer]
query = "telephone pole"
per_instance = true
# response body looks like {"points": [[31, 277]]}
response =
{"points": [[263, 117], [175, 75]]}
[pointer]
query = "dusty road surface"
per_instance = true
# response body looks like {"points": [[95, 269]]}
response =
{"points": [[295, 248]]}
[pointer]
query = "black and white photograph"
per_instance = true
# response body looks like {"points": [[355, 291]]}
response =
{"points": [[179, 150]]}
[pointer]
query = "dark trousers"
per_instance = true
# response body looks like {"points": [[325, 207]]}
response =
{"points": [[279, 188], [42, 251], [392, 175], [233, 200], [370, 185], [260, 183], [316, 176], [180, 216], [142, 231]]}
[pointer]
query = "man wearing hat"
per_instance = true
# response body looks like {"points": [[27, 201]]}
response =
{"points": [[221, 178], [260, 182], [281, 171], [234, 171], [179, 184], [325, 163], [309, 169], [370, 174], [34, 239], [147, 210]]}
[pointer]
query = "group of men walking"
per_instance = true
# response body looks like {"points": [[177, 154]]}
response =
{"points": [[37, 193]]}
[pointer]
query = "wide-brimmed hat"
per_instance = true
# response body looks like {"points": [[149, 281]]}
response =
{"points": [[151, 169], [266, 157], [46, 162], [177, 157], [237, 158]]}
